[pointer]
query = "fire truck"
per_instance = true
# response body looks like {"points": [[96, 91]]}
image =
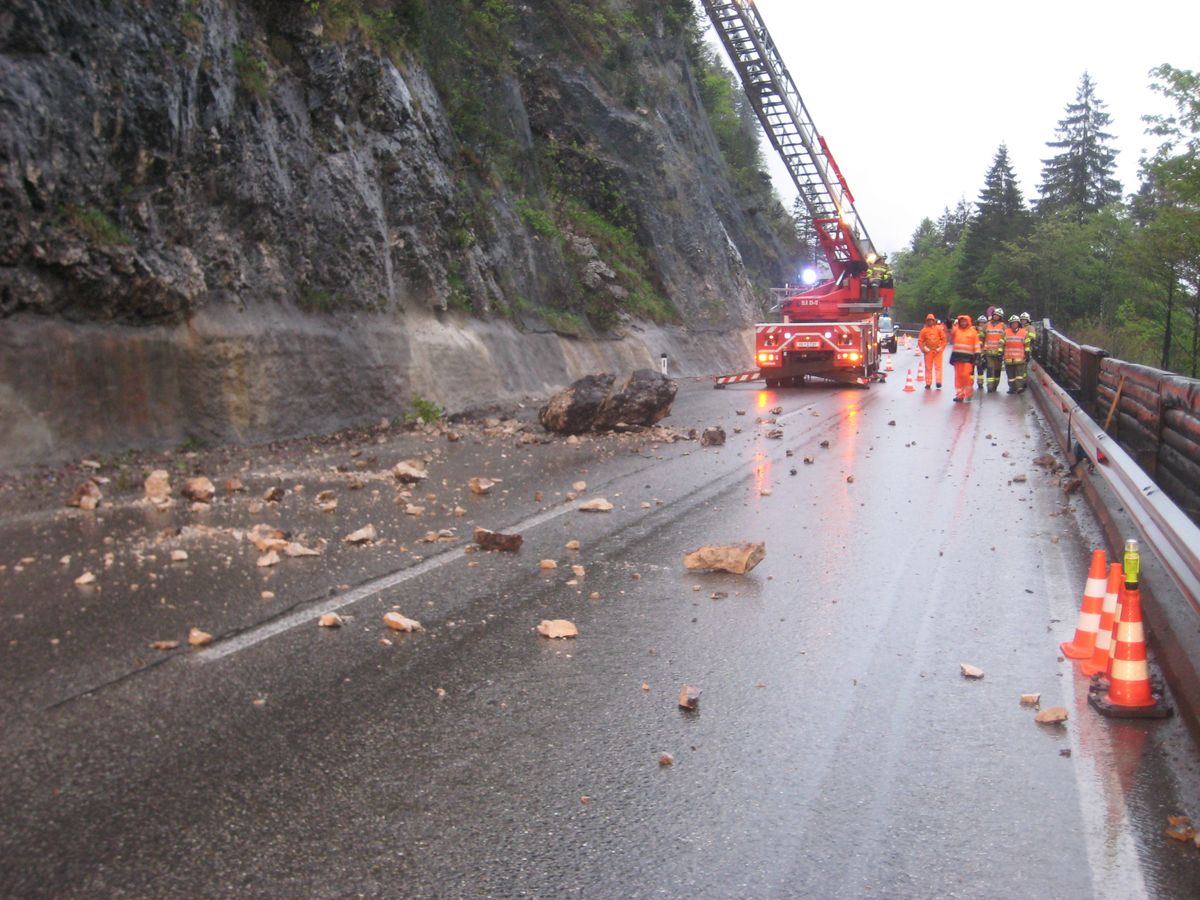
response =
{"points": [[829, 329]]}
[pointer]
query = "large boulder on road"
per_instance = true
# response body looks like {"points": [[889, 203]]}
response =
{"points": [[592, 404]]}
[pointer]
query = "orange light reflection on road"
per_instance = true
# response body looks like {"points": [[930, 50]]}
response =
{"points": [[763, 399]]}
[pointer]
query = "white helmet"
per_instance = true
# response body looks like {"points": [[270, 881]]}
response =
{"points": [[1025, 317]]}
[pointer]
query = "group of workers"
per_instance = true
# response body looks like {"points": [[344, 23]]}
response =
{"points": [[978, 351]]}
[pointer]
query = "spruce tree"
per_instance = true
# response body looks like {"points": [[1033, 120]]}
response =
{"points": [[1000, 217], [1078, 181]]}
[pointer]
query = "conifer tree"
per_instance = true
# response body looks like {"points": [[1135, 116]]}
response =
{"points": [[1000, 217], [1078, 181]]}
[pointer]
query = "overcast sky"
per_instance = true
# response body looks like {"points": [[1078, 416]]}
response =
{"points": [[915, 98]]}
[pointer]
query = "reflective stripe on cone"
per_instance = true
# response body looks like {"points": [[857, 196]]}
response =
{"points": [[1084, 643]]}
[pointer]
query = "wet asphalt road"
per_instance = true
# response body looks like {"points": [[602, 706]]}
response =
{"points": [[836, 752]]}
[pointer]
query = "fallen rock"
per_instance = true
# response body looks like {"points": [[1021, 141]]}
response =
{"points": [[158, 488], [164, 645], [666, 759], [579, 486], [179, 555], [397, 622], [689, 697], [1052, 716], [85, 579], [268, 559], [1046, 462], [713, 436], [266, 538], [409, 471], [1019, 478], [591, 404], [86, 495], [494, 540], [330, 620], [776, 410], [547, 564], [775, 434], [1071, 485], [557, 628], [199, 489], [198, 638], [970, 671], [233, 485], [481, 485], [1031, 699], [597, 505], [294, 549], [273, 494], [736, 558], [364, 535], [326, 501], [571, 545]]}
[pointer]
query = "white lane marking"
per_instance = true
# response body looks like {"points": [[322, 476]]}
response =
{"points": [[306, 613]]}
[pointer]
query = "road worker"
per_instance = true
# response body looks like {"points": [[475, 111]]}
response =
{"points": [[1030, 336], [932, 342], [964, 354], [1015, 355], [993, 348], [981, 368]]}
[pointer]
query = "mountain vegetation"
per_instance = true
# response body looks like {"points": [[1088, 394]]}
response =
{"points": [[1120, 273]]}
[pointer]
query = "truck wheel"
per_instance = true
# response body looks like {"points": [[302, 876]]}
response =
{"points": [[772, 383]]}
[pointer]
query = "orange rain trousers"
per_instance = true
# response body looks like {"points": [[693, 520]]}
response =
{"points": [[933, 360], [964, 379]]}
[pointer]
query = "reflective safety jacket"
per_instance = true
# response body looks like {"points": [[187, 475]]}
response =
{"points": [[932, 339], [1030, 339], [965, 344], [993, 338], [1015, 342]]}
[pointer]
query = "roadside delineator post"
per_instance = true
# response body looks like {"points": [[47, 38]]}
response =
{"points": [[1083, 645], [1130, 694], [1098, 664]]}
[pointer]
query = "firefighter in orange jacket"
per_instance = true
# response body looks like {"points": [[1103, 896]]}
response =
{"points": [[964, 354], [1016, 349], [932, 341]]}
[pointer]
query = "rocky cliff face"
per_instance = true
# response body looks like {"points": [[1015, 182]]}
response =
{"points": [[177, 172]]}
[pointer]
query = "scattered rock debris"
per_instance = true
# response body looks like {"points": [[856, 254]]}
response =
{"points": [[557, 628], [735, 558], [689, 697], [495, 540]]}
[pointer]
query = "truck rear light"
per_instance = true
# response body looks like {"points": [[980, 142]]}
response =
{"points": [[766, 358]]}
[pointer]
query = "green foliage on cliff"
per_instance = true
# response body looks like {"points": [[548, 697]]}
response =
{"points": [[95, 225], [253, 74]]}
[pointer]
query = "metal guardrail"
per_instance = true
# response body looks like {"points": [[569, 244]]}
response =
{"points": [[1169, 532]]}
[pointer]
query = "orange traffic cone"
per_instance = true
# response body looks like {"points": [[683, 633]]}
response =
{"points": [[888, 366], [908, 384], [1084, 643], [1098, 664], [921, 372], [1130, 694]]}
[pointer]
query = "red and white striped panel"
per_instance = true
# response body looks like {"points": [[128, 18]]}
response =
{"points": [[738, 378]]}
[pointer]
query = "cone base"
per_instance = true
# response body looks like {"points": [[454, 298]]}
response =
{"points": [[1092, 668], [1076, 651], [1158, 708]]}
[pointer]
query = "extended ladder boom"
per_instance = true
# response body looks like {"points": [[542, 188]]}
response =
{"points": [[780, 109]]}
